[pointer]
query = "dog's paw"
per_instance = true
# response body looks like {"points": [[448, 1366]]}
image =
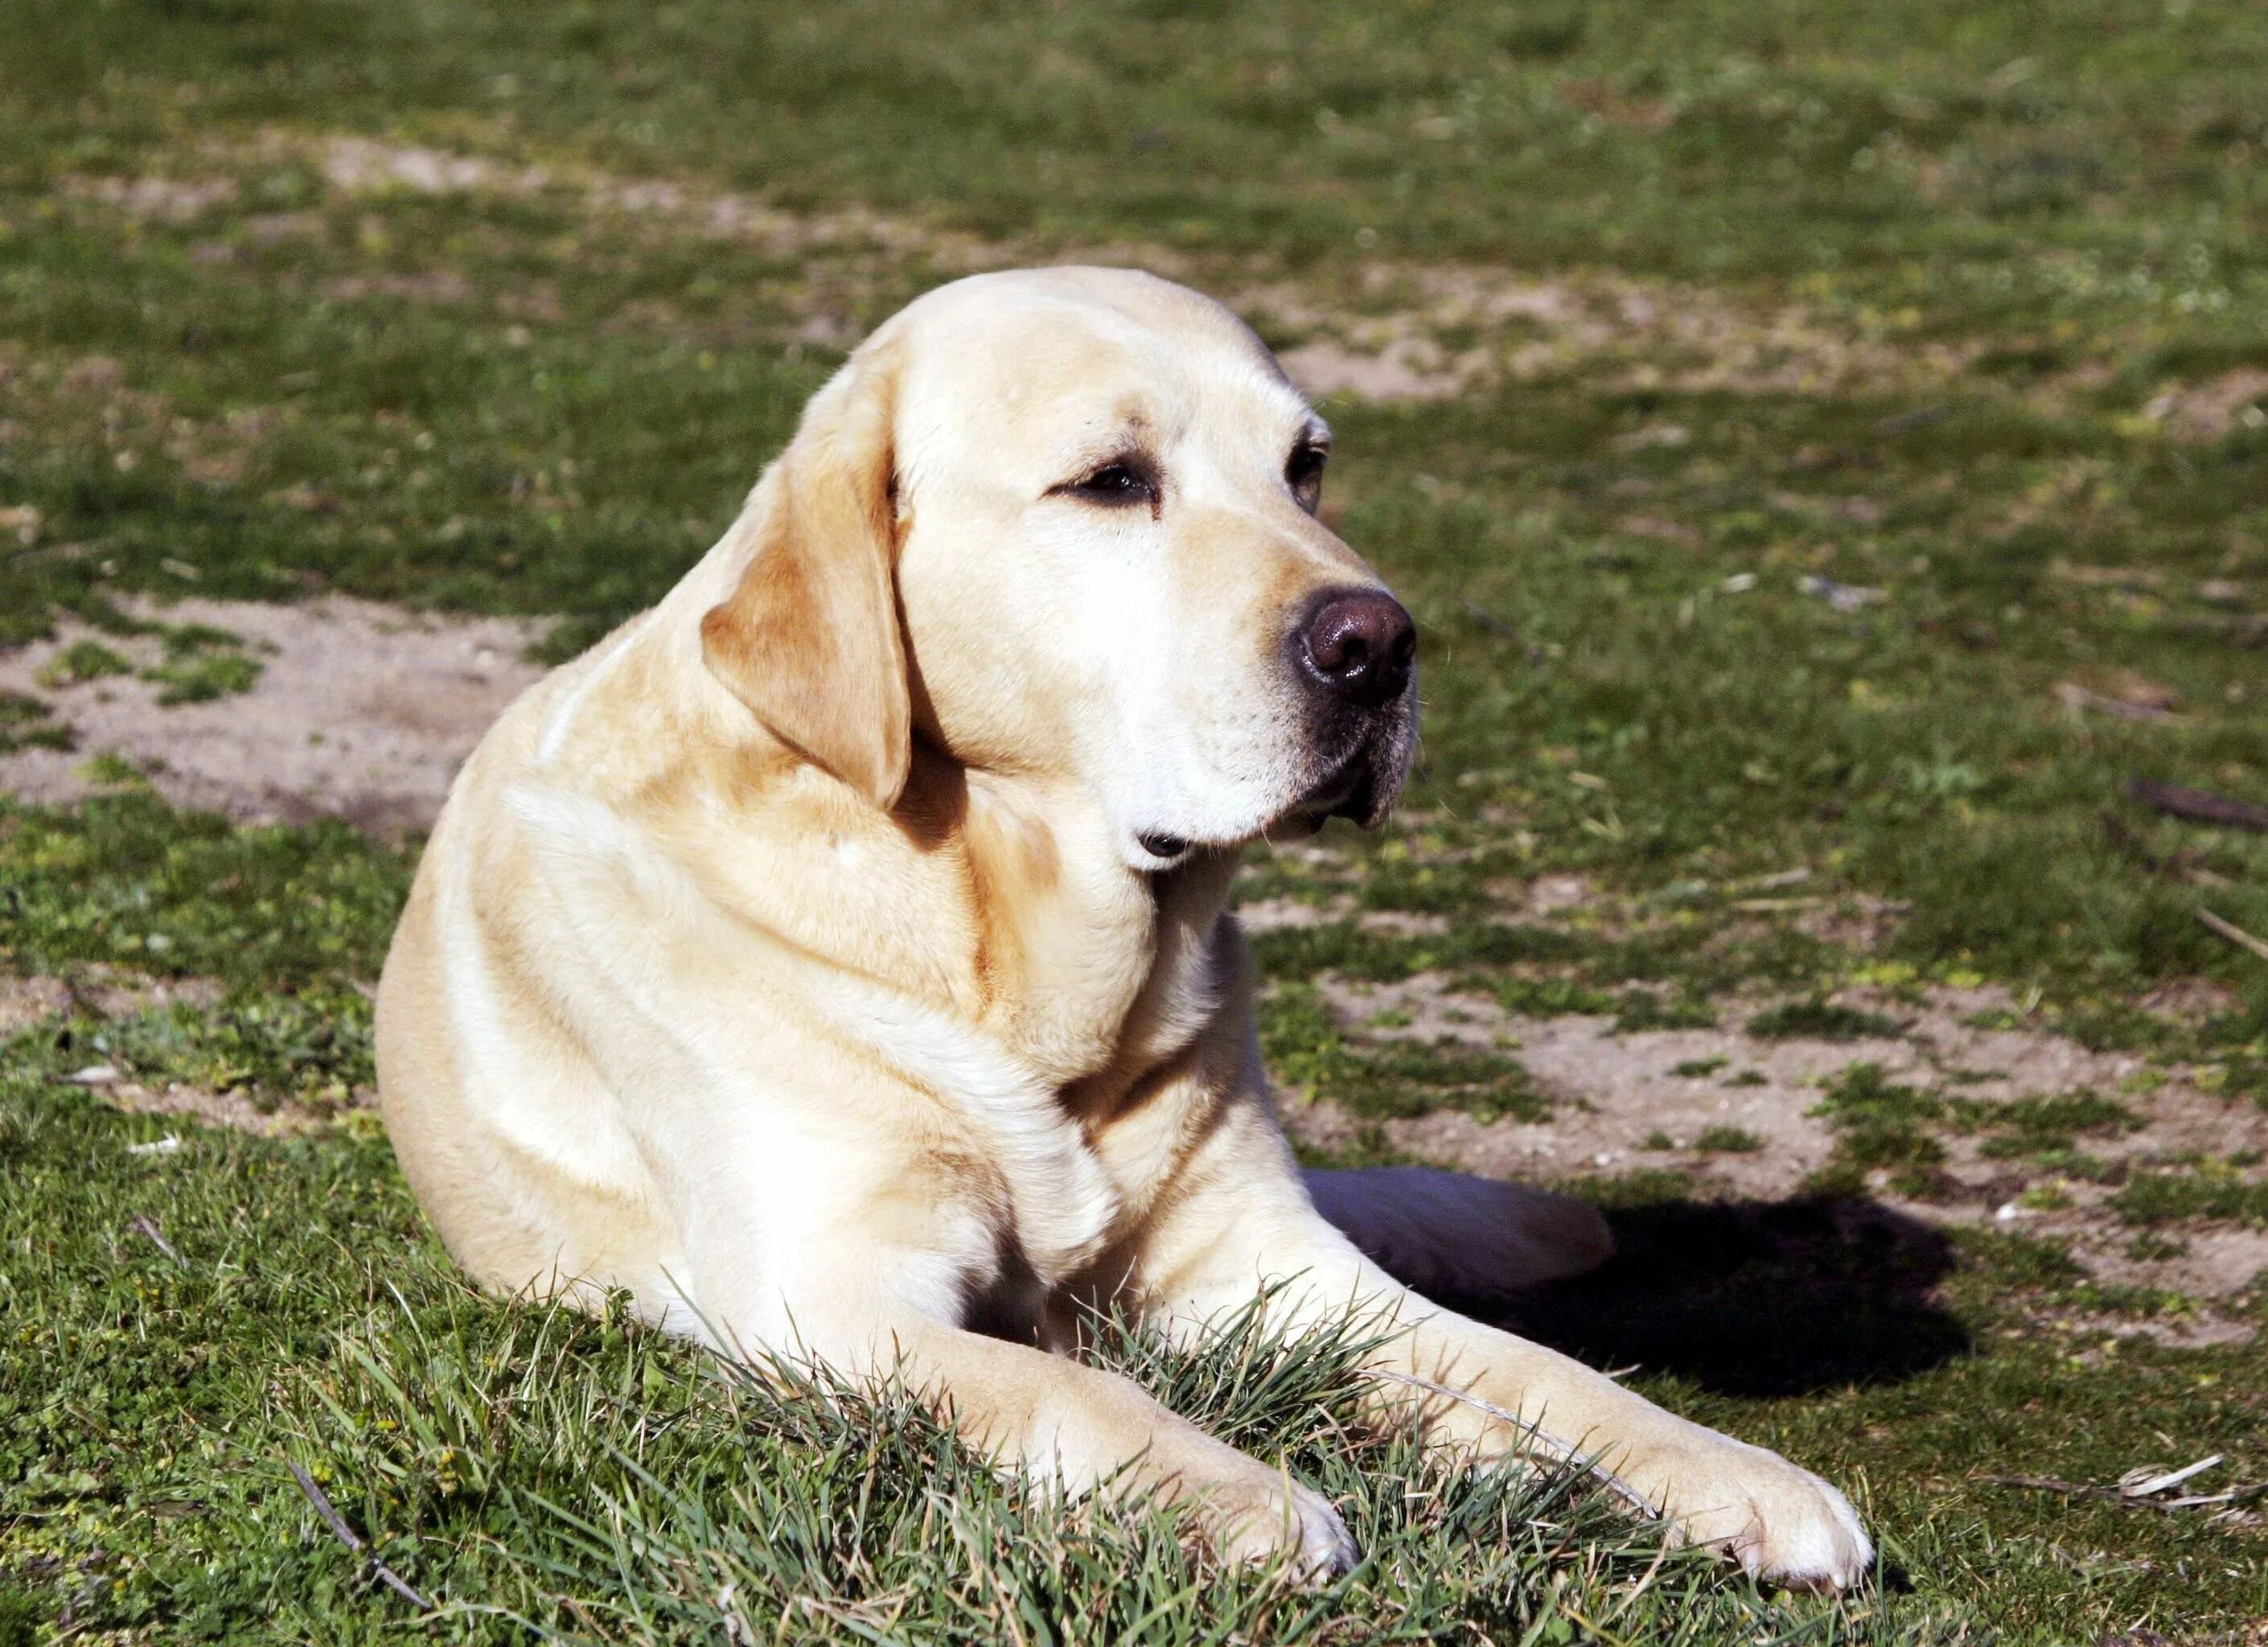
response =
{"points": [[1779, 1522], [1271, 1518]]}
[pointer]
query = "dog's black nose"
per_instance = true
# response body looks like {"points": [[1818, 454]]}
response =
{"points": [[1359, 646]]}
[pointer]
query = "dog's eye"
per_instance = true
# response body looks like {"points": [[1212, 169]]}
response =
{"points": [[1303, 472], [1114, 485]]}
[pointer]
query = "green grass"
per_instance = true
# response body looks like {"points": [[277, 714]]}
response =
{"points": [[590, 1477], [531, 401], [27, 724], [83, 659]]}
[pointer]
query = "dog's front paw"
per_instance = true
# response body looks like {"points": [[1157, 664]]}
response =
{"points": [[1268, 1516], [1779, 1522]]}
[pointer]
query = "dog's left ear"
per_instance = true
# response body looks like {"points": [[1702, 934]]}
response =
{"points": [[809, 638]]}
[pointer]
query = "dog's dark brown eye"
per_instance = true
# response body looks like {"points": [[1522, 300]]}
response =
{"points": [[1114, 485], [1303, 472]]}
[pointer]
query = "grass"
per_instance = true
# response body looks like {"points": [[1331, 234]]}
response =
{"points": [[590, 1478], [528, 1469], [1935, 266]]}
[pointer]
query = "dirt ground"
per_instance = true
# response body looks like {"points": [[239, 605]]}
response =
{"points": [[1405, 331], [1618, 1097], [362, 711]]}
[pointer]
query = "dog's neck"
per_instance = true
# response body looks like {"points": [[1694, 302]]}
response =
{"points": [[1004, 900], [1087, 968]]}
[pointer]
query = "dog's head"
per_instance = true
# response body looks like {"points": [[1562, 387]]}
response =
{"points": [[1062, 523]]}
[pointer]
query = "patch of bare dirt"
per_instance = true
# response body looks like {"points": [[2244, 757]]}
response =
{"points": [[85, 402], [2207, 411], [154, 199], [1617, 1097], [93, 992], [1399, 331], [1513, 327], [1394, 331], [104, 992], [232, 1110], [1278, 915], [363, 711]]}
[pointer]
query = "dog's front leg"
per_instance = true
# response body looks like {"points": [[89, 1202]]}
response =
{"points": [[1239, 1220], [879, 1296], [1061, 1422]]}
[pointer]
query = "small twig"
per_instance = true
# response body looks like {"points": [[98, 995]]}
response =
{"points": [[2198, 805], [141, 1222], [1921, 417], [2233, 933], [337, 1524], [2079, 1489]]}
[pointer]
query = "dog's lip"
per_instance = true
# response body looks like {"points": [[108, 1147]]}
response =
{"points": [[1346, 790], [1346, 782]]}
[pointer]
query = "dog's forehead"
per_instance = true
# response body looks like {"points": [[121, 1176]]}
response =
{"points": [[1060, 352]]}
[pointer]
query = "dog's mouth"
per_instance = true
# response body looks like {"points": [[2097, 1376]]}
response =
{"points": [[1360, 785], [1348, 789]]}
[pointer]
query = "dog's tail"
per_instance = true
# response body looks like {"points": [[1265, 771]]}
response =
{"points": [[1449, 1235]]}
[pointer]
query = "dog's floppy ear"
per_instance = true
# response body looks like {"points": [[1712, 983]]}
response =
{"points": [[809, 639]]}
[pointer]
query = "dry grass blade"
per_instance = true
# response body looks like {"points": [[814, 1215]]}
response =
{"points": [[2233, 933], [142, 1222]]}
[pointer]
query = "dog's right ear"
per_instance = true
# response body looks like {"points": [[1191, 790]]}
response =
{"points": [[809, 638]]}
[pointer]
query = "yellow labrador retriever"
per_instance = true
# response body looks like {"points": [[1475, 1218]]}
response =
{"points": [[835, 957]]}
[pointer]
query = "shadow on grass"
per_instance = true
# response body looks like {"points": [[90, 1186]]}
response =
{"points": [[1780, 1298]]}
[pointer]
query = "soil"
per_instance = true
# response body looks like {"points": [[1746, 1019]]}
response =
{"points": [[1398, 331], [1617, 1097], [362, 711]]}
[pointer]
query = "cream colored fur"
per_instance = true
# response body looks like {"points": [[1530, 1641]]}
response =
{"points": [[836, 956]]}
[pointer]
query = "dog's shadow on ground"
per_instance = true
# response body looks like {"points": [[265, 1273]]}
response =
{"points": [[1780, 1298]]}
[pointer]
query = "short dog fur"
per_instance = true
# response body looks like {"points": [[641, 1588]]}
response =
{"points": [[836, 956]]}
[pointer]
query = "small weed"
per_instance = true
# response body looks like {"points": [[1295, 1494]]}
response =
{"points": [[2148, 1246], [1389, 1079], [1819, 1020], [1698, 1069], [1642, 1010], [2020, 1263], [1727, 1141], [25, 724], [2052, 1195], [2209, 1190], [199, 668], [107, 768], [1880, 1125], [84, 659], [2041, 1127]]}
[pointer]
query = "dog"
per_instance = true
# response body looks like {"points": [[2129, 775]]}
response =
{"points": [[836, 956]]}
